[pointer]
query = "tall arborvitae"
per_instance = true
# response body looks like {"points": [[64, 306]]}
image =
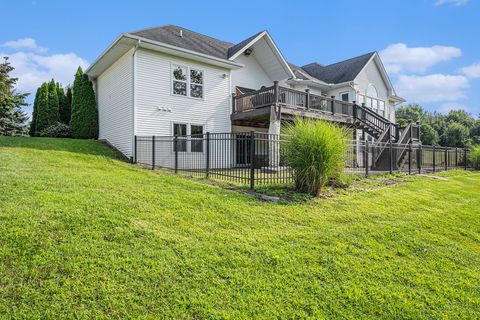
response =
{"points": [[33, 123], [84, 122], [69, 103], [53, 105], [63, 107], [43, 118]]}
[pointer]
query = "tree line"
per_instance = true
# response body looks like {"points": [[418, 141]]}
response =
{"points": [[73, 113], [457, 128]]}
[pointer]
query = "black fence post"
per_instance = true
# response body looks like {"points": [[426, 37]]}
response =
{"points": [[153, 152], [390, 146], [175, 143], [446, 159], [419, 150], [252, 160], [456, 157], [135, 149], [207, 165], [366, 158], [410, 157], [434, 155]]}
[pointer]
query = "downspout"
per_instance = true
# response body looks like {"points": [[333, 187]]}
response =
{"points": [[134, 105]]}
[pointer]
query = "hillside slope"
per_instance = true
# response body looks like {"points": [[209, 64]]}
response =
{"points": [[83, 234]]}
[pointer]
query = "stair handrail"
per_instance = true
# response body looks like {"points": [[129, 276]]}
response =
{"points": [[405, 140], [380, 119]]}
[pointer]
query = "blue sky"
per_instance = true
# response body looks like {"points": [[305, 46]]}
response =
{"points": [[431, 48]]}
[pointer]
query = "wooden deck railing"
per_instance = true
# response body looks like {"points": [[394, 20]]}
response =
{"points": [[292, 99]]}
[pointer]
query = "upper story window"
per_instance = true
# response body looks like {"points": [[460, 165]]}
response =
{"points": [[371, 100], [372, 91], [187, 82]]}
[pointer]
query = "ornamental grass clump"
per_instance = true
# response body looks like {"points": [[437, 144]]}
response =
{"points": [[315, 150], [475, 157]]}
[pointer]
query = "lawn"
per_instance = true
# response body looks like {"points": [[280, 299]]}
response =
{"points": [[85, 235]]}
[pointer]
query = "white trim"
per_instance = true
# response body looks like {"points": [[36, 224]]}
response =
{"points": [[188, 133], [188, 82], [189, 52], [340, 94], [165, 48], [272, 46]]}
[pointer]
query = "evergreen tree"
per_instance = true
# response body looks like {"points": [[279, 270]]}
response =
{"points": [[53, 104], [84, 122], [33, 128], [42, 116], [12, 118], [64, 108], [69, 103]]}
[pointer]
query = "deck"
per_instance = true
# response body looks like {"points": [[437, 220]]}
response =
{"points": [[287, 103]]}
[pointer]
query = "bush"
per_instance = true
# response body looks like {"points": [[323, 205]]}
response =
{"points": [[315, 150], [475, 157], [58, 130]]}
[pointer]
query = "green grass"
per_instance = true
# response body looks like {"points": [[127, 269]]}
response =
{"points": [[84, 235]]}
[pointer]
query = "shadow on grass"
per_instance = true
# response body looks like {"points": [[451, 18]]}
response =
{"points": [[82, 146]]}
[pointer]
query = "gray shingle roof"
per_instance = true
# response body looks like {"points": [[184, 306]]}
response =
{"points": [[190, 40], [334, 73], [339, 72]]}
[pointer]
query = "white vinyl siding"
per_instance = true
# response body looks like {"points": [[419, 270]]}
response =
{"points": [[115, 104], [252, 75], [372, 76], [153, 82]]}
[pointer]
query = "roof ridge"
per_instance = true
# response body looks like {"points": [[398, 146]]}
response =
{"points": [[189, 30]]}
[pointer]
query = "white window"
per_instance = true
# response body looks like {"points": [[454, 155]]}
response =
{"points": [[381, 108], [182, 131], [179, 78], [344, 96], [196, 145], [187, 81], [372, 101], [372, 91], [369, 103], [361, 99], [375, 105]]}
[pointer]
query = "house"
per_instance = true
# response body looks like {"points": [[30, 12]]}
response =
{"points": [[168, 80]]}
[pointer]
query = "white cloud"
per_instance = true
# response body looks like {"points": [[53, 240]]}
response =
{"points": [[25, 43], [454, 2], [447, 107], [472, 71], [432, 88], [33, 68], [399, 58]]}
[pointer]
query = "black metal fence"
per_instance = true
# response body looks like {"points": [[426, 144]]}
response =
{"points": [[253, 158]]}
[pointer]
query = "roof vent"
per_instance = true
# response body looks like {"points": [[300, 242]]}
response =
{"points": [[181, 33]]}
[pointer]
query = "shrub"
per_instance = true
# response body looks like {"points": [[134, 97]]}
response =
{"points": [[475, 157], [57, 130], [315, 150]]}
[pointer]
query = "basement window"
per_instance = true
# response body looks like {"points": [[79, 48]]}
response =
{"points": [[196, 144], [180, 130]]}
